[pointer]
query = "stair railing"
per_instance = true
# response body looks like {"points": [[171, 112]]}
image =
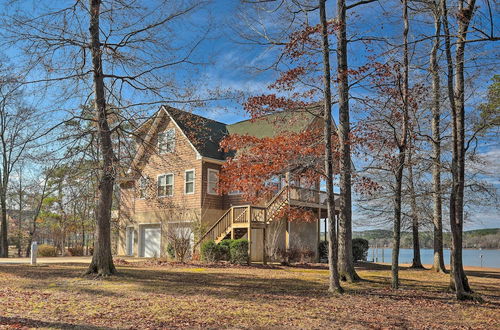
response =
{"points": [[276, 203], [246, 213], [220, 226]]}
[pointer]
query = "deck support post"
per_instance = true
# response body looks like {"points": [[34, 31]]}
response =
{"points": [[319, 235], [264, 254], [249, 242], [287, 234]]}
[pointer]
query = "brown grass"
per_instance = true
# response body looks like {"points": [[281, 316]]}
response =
{"points": [[168, 296]]}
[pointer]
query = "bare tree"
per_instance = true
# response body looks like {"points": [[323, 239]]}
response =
{"points": [[334, 284], [180, 238], [15, 139], [438, 261], [124, 60], [346, 264]]}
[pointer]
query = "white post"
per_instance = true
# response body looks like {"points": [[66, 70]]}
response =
{"points": [[34, 251]]}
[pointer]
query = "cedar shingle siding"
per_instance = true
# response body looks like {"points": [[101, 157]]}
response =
{"points": [[196, 148]]}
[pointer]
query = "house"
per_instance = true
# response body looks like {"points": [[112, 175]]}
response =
{"points": [[171, 188]]}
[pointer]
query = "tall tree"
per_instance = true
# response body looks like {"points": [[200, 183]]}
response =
{"points": [[437, 216], [15, 140], [102, 260], [458, 279], [346, 265], [121, 56], [402, 148], [334, 284]]}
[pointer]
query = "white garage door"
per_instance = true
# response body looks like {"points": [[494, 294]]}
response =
{"points": [[150, 241]]}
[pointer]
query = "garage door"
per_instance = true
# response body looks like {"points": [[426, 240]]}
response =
{"points": [[150, 241]]}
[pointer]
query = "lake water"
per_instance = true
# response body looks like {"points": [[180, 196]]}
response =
{"points": [[471, 257]]}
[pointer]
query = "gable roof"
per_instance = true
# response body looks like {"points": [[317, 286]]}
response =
{"points": [[275, 123], [206, 134]]}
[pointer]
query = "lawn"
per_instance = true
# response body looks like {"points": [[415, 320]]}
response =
{"points": [[145, 296]]}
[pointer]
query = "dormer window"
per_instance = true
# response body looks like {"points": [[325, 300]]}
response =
{"points": [[166, 141]]}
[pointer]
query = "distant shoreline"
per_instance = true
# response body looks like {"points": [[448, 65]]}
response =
{"points": [[390, 247], [429, 266]]}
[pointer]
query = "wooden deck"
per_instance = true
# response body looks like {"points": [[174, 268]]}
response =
{"points": [[254, 216]]}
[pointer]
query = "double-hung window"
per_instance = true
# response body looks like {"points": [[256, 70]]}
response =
{"points": [[189, 182], [166, 141], [165, 185], [213, 181]]}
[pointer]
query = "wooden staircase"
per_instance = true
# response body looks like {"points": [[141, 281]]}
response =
{"points": [[246, 216]]}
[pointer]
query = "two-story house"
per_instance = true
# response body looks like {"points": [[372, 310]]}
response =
{"points": [[173, 184]]}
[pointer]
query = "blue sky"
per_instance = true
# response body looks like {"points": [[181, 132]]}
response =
{"points": [[234, 68], [229, 63], [234, 62]]}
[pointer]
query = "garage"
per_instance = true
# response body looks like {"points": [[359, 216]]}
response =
{"points": [[150, 240]]}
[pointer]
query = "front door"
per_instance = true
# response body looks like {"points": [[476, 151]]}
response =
{"points": [[130, 241]]}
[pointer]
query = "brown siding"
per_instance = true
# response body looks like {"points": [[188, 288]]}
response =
{"points": [[210, 201], [234, 200], [183, 158]]}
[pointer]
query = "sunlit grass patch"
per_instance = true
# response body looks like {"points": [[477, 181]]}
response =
{"points": [[243, 297]]}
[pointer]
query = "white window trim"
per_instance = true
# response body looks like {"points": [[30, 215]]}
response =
{"points": [[194, 181], [235, 193], [158, 142], [208, 180], [173, 184]]}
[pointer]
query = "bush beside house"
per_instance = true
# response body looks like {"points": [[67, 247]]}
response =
{"points": [[235, 251]]}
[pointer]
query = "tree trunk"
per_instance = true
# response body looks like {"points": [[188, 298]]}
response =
{"points": [[346, 264], [417, 262], [437, 218], [458, 279], [327, 130], [102, 260], [20, 221], [4, 253], [401, 156]]}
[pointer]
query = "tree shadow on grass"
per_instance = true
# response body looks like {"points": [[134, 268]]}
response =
{"points": [[243, 284], [222, 285], [45, 271], [20, 322], [483, 273]]}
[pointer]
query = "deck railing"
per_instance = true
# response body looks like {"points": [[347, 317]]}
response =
{"points": [[240, 214], [307, 195], [246, 214]]}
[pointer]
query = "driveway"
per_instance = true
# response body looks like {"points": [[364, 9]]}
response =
{"points": [[48, 260]]}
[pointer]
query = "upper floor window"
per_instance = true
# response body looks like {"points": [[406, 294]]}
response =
{"points": [[189, 182], [213, 181], [166, 141], [165, 185], [143, 187]]}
